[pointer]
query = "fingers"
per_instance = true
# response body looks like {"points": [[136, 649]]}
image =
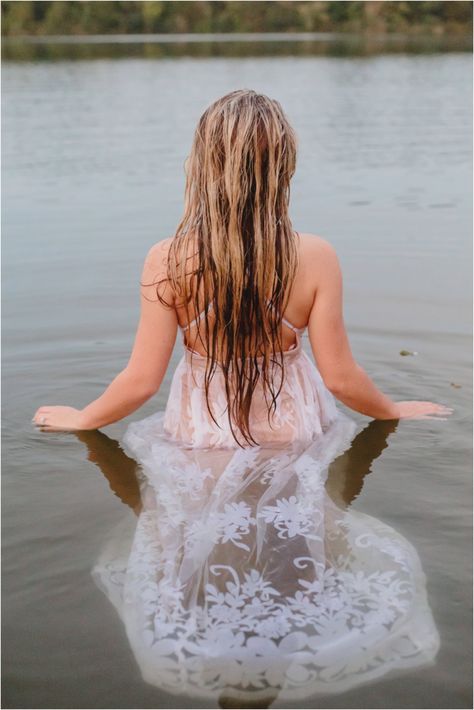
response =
{"points": [[37, 421], [441, 408], [47, 427], [433, 416], [41, 412], [438, 410]]}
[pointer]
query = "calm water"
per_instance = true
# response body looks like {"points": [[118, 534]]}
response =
{"points": [[93, 154]]}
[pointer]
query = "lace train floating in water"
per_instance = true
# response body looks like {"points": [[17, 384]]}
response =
{"points": [[241, 576]]}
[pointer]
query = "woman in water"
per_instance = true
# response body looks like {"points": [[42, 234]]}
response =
{"points": [[243, 575]]}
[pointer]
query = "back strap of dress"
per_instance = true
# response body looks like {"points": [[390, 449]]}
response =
{"points": [[292, 327], [196, 320], [201, 315]]}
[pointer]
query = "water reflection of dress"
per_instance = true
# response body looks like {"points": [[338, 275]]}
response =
{"points": [[241, 573]]}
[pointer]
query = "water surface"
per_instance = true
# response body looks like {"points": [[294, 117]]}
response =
{"points": [[93, 155]]}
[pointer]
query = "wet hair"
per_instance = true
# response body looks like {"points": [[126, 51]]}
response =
{"points": [[235, 247]]}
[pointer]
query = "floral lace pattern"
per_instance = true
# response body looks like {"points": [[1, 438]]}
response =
{"points": [[241, 575]]}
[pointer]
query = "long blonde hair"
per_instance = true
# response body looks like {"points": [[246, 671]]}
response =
{"points": [[238, 236]]}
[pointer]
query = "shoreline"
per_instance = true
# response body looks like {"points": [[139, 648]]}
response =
{"points": [[188, 37]]}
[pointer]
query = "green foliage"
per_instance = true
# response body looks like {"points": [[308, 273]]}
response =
{"points": [[345, 13], [151, 14], [23, 17]]}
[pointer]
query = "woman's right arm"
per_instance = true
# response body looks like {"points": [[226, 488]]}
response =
{"points": [[342, 375]]}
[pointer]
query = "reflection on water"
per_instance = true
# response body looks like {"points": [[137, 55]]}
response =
{"points": [[227, 45], [344, 481], [119, 469], [257, 587]]}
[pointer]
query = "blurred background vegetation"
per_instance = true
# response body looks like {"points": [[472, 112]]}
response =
{"points": [[83, 17]]}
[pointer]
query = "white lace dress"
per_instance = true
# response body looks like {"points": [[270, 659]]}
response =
{"points": [[241, 576]]}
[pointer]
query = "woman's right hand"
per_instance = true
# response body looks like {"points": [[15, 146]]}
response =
{"points": [[422, 410]]}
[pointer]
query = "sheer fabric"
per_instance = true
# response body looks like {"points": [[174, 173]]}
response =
{"points": [[241, 576]]}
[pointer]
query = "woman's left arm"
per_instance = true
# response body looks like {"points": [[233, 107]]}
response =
{"points": [[143, 375]]}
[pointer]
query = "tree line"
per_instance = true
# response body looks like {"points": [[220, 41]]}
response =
{"points": [[76, 17]]}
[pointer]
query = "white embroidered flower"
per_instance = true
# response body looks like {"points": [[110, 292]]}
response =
{"points": [[216, 672], [257, 606], [215, 641], [255, 584], [224, 614], [235, 522], [213, 596], [273, 627], [314, 587], [290, 518]]}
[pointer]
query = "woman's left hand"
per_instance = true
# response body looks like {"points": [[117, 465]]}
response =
{"points": [[58, 418]]}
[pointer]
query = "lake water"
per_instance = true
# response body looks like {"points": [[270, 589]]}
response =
{"points": [[93, 154]]}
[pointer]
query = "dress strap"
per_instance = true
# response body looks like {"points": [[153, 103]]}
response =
{"points": [[201, 315], [196, 320], [292, 327]]}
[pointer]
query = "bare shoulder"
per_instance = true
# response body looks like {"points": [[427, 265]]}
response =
{"points": [[316, 245], [155, 268], [157, 256], [318, 254]]}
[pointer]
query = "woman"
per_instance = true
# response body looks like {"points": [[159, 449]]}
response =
{"points": [[243, 575]]}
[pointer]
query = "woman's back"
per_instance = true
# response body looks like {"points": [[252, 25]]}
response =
{"points": [[304, 406], [300, 302]]}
